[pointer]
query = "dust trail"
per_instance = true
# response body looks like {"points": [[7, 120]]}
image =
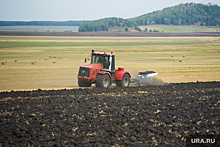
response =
{"points": [[154, 81]]}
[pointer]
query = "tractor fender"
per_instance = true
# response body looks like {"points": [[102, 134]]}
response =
{"points": [[104, 72], [120, 74]]}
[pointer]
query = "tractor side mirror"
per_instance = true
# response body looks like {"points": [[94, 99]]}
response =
{"points": [[85, 60]]}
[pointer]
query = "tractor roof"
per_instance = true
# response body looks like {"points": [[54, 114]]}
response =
{"points": [[103, 53]]}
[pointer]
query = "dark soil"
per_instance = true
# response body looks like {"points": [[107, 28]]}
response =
{"points": [[134, 116], [113, 34]]}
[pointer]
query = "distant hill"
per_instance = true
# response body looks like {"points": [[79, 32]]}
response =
{"points": [[182, 14]]}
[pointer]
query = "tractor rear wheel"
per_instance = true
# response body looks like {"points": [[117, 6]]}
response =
{"points": [[103, 81], [125, 82], [84, 83]]}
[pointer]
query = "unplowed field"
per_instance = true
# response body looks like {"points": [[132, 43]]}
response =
{"points": [[134, 116]]}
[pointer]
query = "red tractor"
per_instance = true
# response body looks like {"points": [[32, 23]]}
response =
{"points": [[102, 72]]}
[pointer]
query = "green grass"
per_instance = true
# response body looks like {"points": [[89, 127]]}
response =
{"points": [[180, 28], [60, 44]]}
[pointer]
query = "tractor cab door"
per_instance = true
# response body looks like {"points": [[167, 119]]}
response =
{"points": [[108, 62], [104, 60]]}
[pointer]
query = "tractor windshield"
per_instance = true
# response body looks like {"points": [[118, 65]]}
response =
{"points": [[101, 59]]}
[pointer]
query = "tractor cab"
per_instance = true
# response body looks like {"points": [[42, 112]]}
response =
{"points": [[106, 59]]}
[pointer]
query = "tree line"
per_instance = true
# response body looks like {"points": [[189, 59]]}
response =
{"points": [[104, 24], [41, 23], [182, 14]]}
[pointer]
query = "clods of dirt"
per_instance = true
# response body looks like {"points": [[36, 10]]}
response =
{"points": [[134, 116]]}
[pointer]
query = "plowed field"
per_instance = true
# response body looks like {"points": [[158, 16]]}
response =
{"points": [[135, 116]]}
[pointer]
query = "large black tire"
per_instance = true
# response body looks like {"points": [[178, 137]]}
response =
{"points": [[84, 83], [125, 82], [103, 81]]}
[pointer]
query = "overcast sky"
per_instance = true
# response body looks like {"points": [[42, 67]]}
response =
{"points": [[63, 10]]}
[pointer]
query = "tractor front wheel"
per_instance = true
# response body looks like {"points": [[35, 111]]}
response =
{"points": [[103, 81], [125, 82]]}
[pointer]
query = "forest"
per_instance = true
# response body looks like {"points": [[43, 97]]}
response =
{"points": [[42, 23], [182, 14]]}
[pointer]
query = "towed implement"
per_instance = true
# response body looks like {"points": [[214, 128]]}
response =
{"points": [[143, 77], [101, 71]]}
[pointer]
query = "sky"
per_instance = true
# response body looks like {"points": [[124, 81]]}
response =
{"points": [[65, 10]]}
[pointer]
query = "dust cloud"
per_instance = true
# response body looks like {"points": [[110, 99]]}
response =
{"points": [[156, 81]]}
